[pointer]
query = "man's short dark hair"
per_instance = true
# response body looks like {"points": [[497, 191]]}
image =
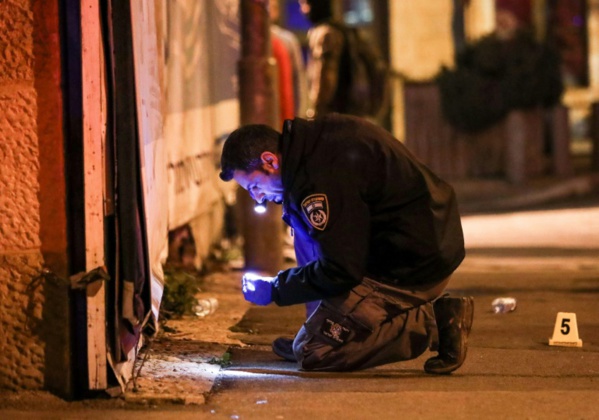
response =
{"points": [[243, 148]]}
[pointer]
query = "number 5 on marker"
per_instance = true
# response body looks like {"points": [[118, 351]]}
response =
{"points": [[565, 332]]}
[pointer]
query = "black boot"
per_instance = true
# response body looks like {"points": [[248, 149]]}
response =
{"points": [[283, 347], [454, 321]]}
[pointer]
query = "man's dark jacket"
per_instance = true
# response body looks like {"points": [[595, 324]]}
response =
{"points": [[360, 204]]}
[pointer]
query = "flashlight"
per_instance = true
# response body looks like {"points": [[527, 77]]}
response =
{"points": [[260, 208]]}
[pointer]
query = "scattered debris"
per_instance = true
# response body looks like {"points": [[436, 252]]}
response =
{"points": [[223, 361], [503, 305]]}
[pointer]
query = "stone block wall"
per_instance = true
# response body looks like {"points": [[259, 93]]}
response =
{"points": [[21, 293]]}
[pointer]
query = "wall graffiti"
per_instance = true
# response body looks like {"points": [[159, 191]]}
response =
{"points": [[191, 171]]}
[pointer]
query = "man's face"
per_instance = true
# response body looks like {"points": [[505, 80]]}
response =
{"points": [[263, 184]]}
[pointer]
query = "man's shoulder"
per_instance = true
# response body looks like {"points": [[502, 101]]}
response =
{"points": [[326, 123], [347, 121], [335, 125]]}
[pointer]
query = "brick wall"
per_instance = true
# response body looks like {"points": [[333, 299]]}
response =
{"points": [[21, 298]]}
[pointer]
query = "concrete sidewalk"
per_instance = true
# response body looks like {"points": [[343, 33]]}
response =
{"points": [[493, 195], [510, 372]]}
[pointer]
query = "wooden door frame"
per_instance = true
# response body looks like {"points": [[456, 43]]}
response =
{"points": [[94, 140]]}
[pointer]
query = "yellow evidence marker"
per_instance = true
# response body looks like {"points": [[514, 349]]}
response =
{"points": [[565, 332]]}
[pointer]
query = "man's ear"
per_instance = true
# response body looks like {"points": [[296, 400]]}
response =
{"points": [[270, 162]]}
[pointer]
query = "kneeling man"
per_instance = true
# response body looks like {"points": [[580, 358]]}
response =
{"points": [[377, 236]]}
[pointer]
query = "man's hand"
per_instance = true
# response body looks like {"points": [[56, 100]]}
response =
{"points": [[257, 289]]}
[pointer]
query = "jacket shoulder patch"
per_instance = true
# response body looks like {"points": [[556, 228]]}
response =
{"points": [[316, 209]]}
